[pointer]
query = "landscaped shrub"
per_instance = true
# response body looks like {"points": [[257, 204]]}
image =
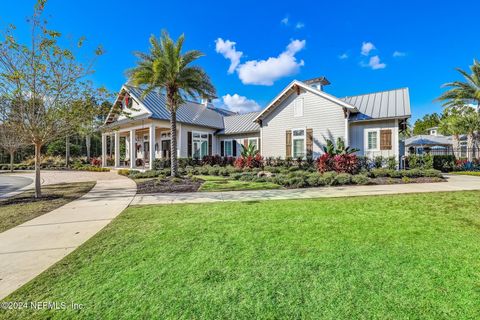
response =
{"points": [[330, 178], [428, 161], [432, 173], [316, 180], [414, 161], [413, 173], [392, 163], [214, 171], [344, 178], [325, 163], [360, 179], [364, 163], [378, 162], [249, 161], [97, 162], [341, 163], [444, 163]]}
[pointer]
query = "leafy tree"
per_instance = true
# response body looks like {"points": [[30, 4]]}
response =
{"points": [[43, 79], [421, 126], [10, 140], [461, 93], [453, 124], [166, 68]]}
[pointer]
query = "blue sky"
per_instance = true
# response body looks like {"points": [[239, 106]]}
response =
{"points": [[414, 44]]}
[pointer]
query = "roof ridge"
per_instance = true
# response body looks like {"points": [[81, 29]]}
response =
{"points": [[382, 91], [242, 114]]}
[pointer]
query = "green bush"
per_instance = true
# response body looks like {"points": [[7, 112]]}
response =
{"points": [[428, 161], [392, 163], [214, 171], [432, 173], [413, 173], [360, 179], [330, 178], [344, 178], [444, 163], [315, 180]]}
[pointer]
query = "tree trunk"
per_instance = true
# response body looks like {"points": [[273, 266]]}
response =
{"points": [[67, 151], [88, 143], [12, 154], [456, 146], [173, 144], [38, 190], [470, 137]]}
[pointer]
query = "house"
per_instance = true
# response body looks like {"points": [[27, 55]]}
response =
{"points": [[296, 123]]}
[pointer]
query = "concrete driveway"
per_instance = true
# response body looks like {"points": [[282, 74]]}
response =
{"points": [[12, 183], [30, 248]]}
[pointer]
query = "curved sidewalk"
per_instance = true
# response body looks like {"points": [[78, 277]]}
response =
{"points": [[454, 183], [30, 248]]}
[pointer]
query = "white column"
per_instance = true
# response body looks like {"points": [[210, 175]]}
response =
{"points": [[117, 149], [347, 140], [104, 149], [152, 145], [179, 139], [132, 148]]}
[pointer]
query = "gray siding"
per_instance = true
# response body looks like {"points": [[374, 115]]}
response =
{"points": [[326, 118], [357, 132], [238, 137]]}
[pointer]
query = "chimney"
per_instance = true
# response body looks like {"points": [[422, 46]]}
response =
{"points": [[317, 83]]}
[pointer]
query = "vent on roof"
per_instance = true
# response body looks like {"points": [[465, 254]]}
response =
{"points": [[317, 83]]}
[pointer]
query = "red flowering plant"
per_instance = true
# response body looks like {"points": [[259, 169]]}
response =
{"points": [[96, 162], [338, 158], [250, 158]]}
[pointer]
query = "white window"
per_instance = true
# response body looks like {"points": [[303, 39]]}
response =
{"points": [[200, 144], [254, 142], [372, 140], [298, 108], [228, 148], [298, 143]]}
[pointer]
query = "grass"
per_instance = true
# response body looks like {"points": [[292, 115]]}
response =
{"points": [[215, 183], [24, 207], [383, 257], [467, 173]]}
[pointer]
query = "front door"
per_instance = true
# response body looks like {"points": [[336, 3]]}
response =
{"points": [[166, 149]]}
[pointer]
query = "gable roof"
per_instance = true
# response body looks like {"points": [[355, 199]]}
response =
{"points": [[378, 105], [286, 91], [240, 123]]}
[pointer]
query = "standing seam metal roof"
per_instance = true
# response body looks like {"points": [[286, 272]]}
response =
{"points": [[378, 105], [240, 123]]}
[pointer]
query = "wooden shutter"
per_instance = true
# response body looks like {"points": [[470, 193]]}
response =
{"points": [[386, 139], [288, 143], [258, 146], [245, 143], [234, 148], [309, 142], [222, 148], [189, 144], [210, 144]]}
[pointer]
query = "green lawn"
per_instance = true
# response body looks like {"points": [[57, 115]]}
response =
{"points": [[384, 257], [467, 173], [24, 207], [215, 183]]}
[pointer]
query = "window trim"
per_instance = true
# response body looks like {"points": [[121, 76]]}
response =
{"points": [[295, 108], [256, 141], [225, 149], [201, 139], [304, 137], [367, 131]]}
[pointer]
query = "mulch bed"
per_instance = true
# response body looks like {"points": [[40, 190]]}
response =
{"points": [[386, 180], [168, 185]]}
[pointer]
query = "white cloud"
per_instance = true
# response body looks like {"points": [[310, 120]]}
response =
{"points": [[299, 25], [266, 72], [227, 49], [241, 104], [343, 56], [284, 21], [366, 48], [375, 63], [398, 54]]}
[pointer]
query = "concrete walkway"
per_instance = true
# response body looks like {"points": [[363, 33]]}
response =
{"points": [[29, 249], [454, 183]]}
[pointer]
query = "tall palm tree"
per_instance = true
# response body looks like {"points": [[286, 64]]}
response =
{"points": [[452, 125], [464, 92], [167, 69]]}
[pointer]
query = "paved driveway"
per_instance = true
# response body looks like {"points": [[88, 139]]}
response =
{"points": [[11, 183], [30, 248]]}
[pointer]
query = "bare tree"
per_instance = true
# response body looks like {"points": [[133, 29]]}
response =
{"points": [[44, 79], [10, 140]]}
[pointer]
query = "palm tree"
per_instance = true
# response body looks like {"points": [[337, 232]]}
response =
{"points": [[167, 69], [464, 92], [452, 125]]}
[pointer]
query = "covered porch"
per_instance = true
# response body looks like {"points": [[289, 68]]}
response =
{"points": [[136, 147]]}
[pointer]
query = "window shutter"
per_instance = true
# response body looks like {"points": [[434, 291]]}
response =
{"points": [[210, 144], [222, 148], [309, 142], [288, 143], [234, 148], [189, 144], [386, 139], [258, 146], [245, 143]]}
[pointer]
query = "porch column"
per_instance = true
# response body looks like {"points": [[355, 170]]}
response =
{"points": [[104, 149], [117, 149], [152, 146], [132, 148]]}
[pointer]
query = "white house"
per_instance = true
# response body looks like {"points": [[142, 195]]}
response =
{"points": [[296, 123]]}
